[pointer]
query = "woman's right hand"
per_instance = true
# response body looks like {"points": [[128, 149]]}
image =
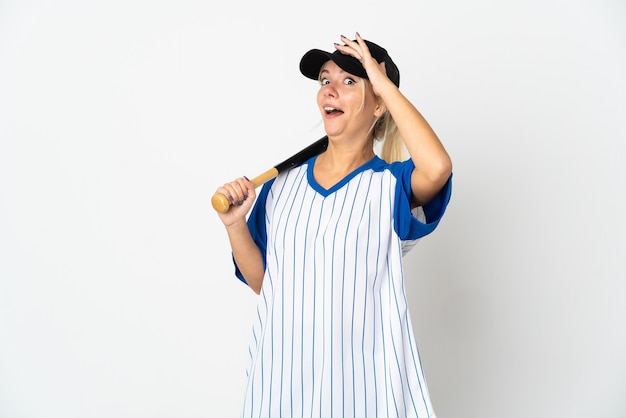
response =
{"points": [[241, 193]]}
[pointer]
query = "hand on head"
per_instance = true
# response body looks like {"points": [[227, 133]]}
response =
{"points": [[358, 49]]}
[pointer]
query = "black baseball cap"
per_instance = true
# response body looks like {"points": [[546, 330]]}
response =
{"points": [[312, 62]]}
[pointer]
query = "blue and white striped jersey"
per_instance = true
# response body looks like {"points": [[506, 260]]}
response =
{"points": [[333, 336]]}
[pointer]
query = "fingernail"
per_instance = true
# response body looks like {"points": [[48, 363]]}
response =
{"points": [[245, 196], [230, 198], [246, 178]]}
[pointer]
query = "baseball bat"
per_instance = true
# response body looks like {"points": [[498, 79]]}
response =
{"points": [[222, 204]]}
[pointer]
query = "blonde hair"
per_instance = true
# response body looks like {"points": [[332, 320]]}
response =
{"points": [[386, 131], [386, 134]]}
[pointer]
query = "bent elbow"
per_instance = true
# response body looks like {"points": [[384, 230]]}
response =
{"points": [[440, 171], [425, 184]]}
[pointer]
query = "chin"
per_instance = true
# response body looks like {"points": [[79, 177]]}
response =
{"points": [[332, 130]]}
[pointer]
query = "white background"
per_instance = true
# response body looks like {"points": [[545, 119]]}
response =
{"points": [[119, 119]]}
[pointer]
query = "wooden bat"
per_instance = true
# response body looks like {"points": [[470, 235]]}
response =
{"points": [[222, 204]]}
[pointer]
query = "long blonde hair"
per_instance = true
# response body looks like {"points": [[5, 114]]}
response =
{"points": [[386, 135], [386, 132]]}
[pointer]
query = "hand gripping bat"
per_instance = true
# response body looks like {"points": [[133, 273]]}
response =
{"points": [[222, 204]]}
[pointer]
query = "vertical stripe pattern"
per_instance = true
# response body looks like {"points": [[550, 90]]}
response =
{"points": [[332, 335]]}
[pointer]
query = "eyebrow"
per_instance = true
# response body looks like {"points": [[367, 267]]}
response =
{"points": [[341, 71]]}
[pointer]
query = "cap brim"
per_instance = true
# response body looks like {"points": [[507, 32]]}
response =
{"points": [[312, 62]]}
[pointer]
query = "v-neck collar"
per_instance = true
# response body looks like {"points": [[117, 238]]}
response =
{"points": [[374, 161]]}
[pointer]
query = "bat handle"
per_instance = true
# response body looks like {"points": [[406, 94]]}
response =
{"points": [[221, 203]]}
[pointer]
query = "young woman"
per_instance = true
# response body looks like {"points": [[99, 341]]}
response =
{"points": [[323, 247]]}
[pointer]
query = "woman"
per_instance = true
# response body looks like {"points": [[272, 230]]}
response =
{"points": [[323, 247]]}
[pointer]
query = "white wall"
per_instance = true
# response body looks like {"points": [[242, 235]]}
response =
{"points": [[118, 120]]}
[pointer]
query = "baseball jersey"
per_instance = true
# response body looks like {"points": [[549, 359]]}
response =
{"points": [[332, 336]]}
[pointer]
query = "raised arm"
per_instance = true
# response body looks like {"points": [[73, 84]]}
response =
{"points": [[433, 165]]}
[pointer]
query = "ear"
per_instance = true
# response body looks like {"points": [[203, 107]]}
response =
{"points": [[380, 108]]}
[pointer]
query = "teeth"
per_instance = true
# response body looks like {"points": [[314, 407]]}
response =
{"points": [[329, 109]]}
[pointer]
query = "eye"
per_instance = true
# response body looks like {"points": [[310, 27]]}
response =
{"points": [[324, 81], [349, 81]]}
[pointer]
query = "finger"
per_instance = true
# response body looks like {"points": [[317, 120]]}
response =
{"points": [[244, 190], [358, 48], [362, 44], [365, 50], [234, 191], [247, 187], [245, 183], [350, 48], [226, 192]]}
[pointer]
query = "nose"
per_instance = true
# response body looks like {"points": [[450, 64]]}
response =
{"points": [[329, 91]]}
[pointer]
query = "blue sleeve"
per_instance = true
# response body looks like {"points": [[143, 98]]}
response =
{"points": [[257, 226], [407, 226]]}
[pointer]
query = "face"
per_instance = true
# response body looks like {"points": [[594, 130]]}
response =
{"points": [[347, 102]]}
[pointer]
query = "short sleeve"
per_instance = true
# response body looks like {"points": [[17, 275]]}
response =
{"points": [[406, 224]]}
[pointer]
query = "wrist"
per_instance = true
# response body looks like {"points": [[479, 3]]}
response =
{"points": [[236, 225]]}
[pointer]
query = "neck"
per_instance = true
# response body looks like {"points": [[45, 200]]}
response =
{"points": [[343, 156]]}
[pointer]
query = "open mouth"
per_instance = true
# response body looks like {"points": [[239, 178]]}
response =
{"points": [[332, 110]]}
